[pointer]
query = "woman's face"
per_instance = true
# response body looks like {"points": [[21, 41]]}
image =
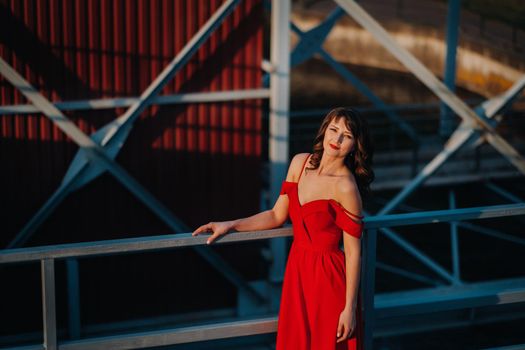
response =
{"points": [[338, 139]]}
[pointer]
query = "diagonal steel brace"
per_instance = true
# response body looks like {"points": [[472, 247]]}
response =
{"points": [[94, 151], [311, 43], [472, 119], [95, 159], [462, 136]]}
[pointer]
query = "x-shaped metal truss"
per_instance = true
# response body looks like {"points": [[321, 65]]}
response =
{"points": [[97, 152]]}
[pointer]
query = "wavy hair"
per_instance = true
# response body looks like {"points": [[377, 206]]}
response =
{"points": [[359, 160]]}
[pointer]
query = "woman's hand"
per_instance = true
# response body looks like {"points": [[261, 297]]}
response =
{"points": [[346, 324], [217, 229]]}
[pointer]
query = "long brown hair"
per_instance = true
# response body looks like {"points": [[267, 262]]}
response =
{"points": [[359, 160]]}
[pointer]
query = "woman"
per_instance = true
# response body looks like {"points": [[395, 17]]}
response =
{"points": [[319, 305]]}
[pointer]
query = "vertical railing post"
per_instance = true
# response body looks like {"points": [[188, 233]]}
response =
{"points": [[454, 240], [48, 303], [279, 119], [368, 286], [73, 298]]}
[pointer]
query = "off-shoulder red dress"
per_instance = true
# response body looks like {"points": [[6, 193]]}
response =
{"points": [[314, 286]]}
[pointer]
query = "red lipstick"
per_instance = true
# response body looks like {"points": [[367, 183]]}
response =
{"points": [[334, 147]]}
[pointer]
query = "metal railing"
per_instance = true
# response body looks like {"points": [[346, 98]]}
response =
{"points": [[47, 255]]}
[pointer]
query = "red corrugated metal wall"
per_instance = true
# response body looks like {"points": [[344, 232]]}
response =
{"points": [[200, 160]]}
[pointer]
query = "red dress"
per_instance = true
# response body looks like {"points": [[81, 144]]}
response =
{"points": [[314, 286]]}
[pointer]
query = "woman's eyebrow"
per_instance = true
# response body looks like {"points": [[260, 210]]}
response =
{"points": [[335, 126]]}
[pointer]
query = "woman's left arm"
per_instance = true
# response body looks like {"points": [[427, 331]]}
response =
{"points": [[351, 200], [347, 319], [352, 248]]}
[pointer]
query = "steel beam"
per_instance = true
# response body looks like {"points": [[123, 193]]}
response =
{"points": [[476, 228], [392, 220], [419, 255], [399, 303], [311, 40], [119, 102], [97, 154], [407, 274], [279, 120], [130, 245], [97, 159], [363, 88], [465, 296], [113, 135], [491, 232], [49, 206], [181, 335], [463, 136], [503, 193], [473, 120], [311, 43], [89, 148], [454, 240], [49, 303]]}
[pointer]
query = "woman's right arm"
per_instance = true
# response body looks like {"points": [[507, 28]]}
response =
{"points": [[265, 220]]}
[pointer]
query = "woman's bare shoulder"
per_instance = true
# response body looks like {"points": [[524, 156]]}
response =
{"points": [[347, 194], [296, 165], [299, 158]]}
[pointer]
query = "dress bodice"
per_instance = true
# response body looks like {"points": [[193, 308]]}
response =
{"points": [[319, 222]]}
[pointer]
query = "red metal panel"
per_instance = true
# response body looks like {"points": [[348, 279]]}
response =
{"points": [[186, 155], [200, 160]]}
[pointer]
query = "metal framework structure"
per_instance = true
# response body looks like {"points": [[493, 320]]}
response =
{"points": [[98, 151], [97, 154], [380, 305]]}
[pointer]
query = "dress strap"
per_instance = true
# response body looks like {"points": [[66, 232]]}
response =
{"points": [[346, 223], [348, 212], [302, 169]]}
